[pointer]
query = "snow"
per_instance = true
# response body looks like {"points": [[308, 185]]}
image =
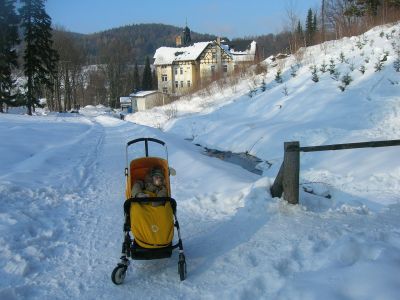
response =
{"points": [[142, 93], [245, 56], [168, 55], [62, 190]]}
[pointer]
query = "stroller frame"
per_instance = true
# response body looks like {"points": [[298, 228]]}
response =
{"points": [[130, 248]]}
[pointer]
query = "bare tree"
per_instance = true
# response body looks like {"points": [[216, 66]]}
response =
{"points": [[292, 25], [69, 70]]}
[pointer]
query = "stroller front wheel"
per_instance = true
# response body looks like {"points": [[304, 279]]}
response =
{"points": [[182, 267], [118, 274]]}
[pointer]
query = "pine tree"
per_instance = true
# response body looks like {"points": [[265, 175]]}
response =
{"points": [[323, 67], [136, 78], [8, 55], [309, 27], [154, 80], [361, 8], [396, 64], [332, 66], [346, 80], [293, 71], [39, 58], [299, 32], [278, 77], [315, 28], [314, 76], [147, 78]]}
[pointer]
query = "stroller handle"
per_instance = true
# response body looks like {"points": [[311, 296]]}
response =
{"points": [[145, 140], [146, 144]]}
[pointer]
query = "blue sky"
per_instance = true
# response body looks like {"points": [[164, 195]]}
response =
{"points": [[231, 18]]}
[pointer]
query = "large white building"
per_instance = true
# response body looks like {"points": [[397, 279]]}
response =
{"points": [[180, 69]]}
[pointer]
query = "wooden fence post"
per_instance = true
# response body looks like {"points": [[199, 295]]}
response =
{"points": [[277, 186], [291, 172]]}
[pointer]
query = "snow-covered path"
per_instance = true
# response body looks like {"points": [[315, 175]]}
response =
{"points": [[61, 220]]}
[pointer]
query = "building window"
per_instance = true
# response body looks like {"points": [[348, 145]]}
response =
{"points": [[212, 70], [176, 71], [163, 67], [214, 56], [176, 84], [164, 77], [188, 83], [181, 71], [225, 68], [165, 90], [181, 84]]}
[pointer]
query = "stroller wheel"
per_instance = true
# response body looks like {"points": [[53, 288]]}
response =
{"points": [[118, 275], [182, 267]]}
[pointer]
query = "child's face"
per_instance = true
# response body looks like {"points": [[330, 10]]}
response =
{"points": [[157, 180]]}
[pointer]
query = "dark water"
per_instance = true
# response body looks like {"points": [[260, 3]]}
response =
{"points": [[245, 160]]}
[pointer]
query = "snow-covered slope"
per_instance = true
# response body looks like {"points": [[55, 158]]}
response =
{"points": [[62, 189], [314, 113]]}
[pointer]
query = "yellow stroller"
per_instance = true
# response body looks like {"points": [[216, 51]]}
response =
{"points": [[150, 220]]}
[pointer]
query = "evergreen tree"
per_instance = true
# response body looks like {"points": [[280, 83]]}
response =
{"points": [[155, 80], [314, 74], [394, 3], [8, 55], [39, 58], [309, 27], [332, 66], [315, 24], [278, 77], [147, 78], [293, 69], [323, 67], [299, 32], [361, 8], [136, 78]]}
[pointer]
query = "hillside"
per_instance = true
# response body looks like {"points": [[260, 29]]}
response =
{"points": [[135, 41], [62, 188]]}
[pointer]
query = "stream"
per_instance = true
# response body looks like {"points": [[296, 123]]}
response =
{"points": [[246, 161]]}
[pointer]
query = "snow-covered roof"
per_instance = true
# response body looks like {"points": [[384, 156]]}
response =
{"points": [[142, 93], [125, 99], [168, 55]]}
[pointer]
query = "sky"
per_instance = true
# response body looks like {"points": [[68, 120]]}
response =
{"points": [[230, 18]]}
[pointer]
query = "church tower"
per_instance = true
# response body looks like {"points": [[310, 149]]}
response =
{"points": [[186, 38]]}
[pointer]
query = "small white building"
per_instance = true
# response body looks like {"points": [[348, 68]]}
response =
{"points": [[126, 104], [249, 56], [147, 99]]}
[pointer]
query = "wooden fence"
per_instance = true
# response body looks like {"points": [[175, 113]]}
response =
{"points": [[287, 180]]}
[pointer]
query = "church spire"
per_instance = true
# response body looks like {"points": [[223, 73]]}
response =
{"points": [[187, 39]]}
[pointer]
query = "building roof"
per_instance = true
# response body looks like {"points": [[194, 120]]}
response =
{"points": [[143, 93], [168, 55], [125, 100]]}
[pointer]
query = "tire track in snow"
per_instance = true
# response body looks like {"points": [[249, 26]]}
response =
{"points": [[41, 251]]}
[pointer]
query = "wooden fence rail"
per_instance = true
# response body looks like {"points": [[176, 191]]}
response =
{"points": [[287, 180]]}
